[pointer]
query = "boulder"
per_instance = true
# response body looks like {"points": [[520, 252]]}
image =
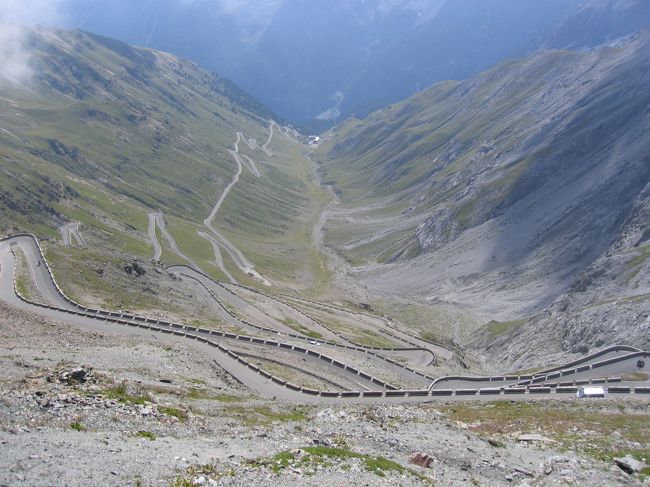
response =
{"points": [[78, 375], [420, 459], [534, 438], [629, 464]]}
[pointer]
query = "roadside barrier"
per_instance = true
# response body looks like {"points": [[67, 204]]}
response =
{"points": [[367, 350], [466, 392], [485, 392], [126, 319]]}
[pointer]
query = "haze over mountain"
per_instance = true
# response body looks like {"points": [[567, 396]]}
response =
{"points": [[315, 62], [503, 191], [101, 133], [253, 305]]}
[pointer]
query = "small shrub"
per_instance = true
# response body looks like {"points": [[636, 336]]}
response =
{"points": [[77, 426], [120, 393], [146, 434], [174, 412], [378, 465]]}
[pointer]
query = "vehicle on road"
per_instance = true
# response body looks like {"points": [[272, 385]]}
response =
{"points": [[591, 392]]}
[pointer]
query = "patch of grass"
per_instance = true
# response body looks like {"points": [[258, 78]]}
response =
{"points": [[302, 329], [120, 393], [430, 336], [636, 376], [197, 394], [644, 254], [379, 465], [174, 412], [584, 427], [146, 434], [77, 426], [22, 288], [208, 470], [498, 328], [265, 416], [322, 455]]}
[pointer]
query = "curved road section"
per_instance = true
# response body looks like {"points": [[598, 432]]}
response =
{"points": [[235, 254], [70, 231], [210, 341]]}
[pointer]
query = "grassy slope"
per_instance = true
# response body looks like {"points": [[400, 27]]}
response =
{"points": [[106, 133], [458, 147]]}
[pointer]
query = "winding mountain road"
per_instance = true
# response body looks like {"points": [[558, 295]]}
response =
{"points": [[235, 254], [622, 361], [71, 231], [157, 249], [156, 219]]}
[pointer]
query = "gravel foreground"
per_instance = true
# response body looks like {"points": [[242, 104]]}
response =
{"points": [[80, 408]]}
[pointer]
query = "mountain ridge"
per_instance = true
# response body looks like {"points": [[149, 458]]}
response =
{"points": [[316, 65], [496, 193]]}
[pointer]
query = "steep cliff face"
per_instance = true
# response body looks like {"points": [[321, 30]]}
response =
{"points": [[503, 192], [608, 304]]}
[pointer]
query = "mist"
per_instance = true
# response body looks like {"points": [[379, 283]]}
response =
{"points": [[15, 61]]}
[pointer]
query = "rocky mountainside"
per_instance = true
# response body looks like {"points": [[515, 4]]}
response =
{"points": [[597, 22], [505, 191], [102, 409], [316, 63]]}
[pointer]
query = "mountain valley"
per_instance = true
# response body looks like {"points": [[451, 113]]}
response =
{"points": [[447, 286], [502, 190]]}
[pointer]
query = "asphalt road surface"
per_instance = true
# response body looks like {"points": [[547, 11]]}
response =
{"points": [[621, 363]]}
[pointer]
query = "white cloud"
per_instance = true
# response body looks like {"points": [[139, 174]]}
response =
{"points": [[15, 66], [14, 59], [30, 12]]}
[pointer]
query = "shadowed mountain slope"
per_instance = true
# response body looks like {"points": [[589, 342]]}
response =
{"points": [[498, 193]]}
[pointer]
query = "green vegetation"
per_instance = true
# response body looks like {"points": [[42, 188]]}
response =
{"points": [[302, 329], [588, 428], [227, 398], [323, 455], [90, 276], [24, 284], [308, 459], [121, 393], [345, 325], [265, 416], [146, 434], [291, 374], [643, 255], [77, 426], [431, 156], [198, 394], [22, 287], [194, 471], [87, 149], [636, 376], [174, 412], [497, 328], [430, 336]]}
